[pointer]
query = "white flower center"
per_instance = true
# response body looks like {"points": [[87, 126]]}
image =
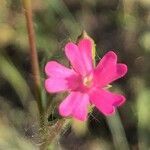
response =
{"points": [[88, 81]]}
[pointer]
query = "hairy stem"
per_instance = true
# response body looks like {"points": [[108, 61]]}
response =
{"points": [[48, 133]]}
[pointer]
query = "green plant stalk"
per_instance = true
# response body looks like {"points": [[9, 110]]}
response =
{"points": [[117, 131], [33, 53]]}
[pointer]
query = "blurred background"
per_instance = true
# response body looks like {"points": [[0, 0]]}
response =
{"points": [[122, 25]]}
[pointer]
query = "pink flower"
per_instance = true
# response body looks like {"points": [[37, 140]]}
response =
{"points": [[85, 83]]}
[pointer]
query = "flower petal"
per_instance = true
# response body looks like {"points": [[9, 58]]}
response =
{"points": [[72, 53], [54, 69], [75, 105], [80, 56], [85, 48], [54, 85], [81, 111], [108, 70], [106, 101]]}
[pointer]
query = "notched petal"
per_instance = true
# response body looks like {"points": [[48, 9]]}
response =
{"points": [[106, 101], [121, 70], [75, 105]]}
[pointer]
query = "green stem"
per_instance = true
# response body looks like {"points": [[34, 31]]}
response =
{"points": [[118, 133]]}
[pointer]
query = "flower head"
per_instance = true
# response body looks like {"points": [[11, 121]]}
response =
{"points": [[85, 83]]}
